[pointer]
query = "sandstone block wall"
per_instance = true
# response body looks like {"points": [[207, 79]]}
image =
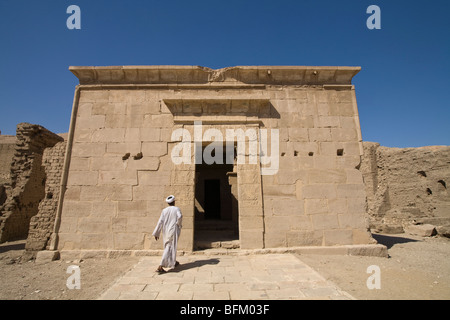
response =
{"points": [[121, 168], [406, 185], [25, 189]]}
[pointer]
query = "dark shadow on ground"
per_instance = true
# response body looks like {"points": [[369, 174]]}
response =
{"points": [[9, 247], [194, 264], [390, 241]]}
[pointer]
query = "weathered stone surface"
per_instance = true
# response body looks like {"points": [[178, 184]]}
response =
{"points": [[406, 184], [422, 230], [122, 155], [26, 185]]}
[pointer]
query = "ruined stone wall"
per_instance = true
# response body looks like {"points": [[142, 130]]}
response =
{"points": [[406, 185], [27, 180], [7, 149], [41, 225]]}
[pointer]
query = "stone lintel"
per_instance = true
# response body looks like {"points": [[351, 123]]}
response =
{"points": [[271, 75]]}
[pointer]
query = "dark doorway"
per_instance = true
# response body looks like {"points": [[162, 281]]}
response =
{"points": [[212, 199], [216, 206]]}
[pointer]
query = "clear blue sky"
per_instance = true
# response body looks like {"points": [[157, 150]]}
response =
{"points": [[403, 90]]}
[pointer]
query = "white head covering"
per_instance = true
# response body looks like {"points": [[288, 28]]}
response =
{"points": [[170, 199]]}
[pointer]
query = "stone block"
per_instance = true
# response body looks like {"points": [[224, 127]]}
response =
{"points": [[250, 192], [349, 122], [150, 134], [345, 96], [84, 110], [108, 135], [319, 191], [46, 256], [251, 222], [301, 222], [346, 109], [128, 241], [251, 239], [120, 192], [326, 121], [76, 208], [82, 178], [343, 134], [357, 205], [104, 208], [139, 225], [325, 221], [154, 178], [147, 163], [304, 238], [136, 208], [88, 149], [154, 149], [352, 221], [94, 96], [117, 177], [348, 162], [288, 207], [132, 135], [274, 239], [319, 134], [315, 206], [351, 191], [298, 134], [68, 241], [92, 122], [79, 164], [82, 135], [361, 236], [324, 162], [94, 224], [124, 121], [279, 190], [354, 176], [338, 237], [326, 176], [337, 206], [148, 193], [122, 148], [422, 230], [107, 163], [158, 121], [91, 241]]}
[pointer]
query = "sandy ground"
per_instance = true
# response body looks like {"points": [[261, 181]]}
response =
{"points": [[418, 268]]}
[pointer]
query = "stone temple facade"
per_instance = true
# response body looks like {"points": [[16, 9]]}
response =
{"points": [[286, 147]]}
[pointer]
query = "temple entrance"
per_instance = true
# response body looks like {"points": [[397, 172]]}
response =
{"points": [[216, 207]]}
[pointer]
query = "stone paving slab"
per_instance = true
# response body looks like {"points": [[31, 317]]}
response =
{"points": [[223, 277]]}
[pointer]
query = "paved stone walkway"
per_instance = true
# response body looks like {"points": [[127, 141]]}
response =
{"points": [[225, 277]]}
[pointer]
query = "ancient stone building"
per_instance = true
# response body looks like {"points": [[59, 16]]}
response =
{"points": [[283, 170]]}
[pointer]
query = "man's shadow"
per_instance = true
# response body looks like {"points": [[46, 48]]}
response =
{"points": [[194, 264]]}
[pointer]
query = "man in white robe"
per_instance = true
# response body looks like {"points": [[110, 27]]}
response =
{"points": [[170, 225]]}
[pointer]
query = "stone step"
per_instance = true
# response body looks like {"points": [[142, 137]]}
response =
{"points": [[207, 244]]}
